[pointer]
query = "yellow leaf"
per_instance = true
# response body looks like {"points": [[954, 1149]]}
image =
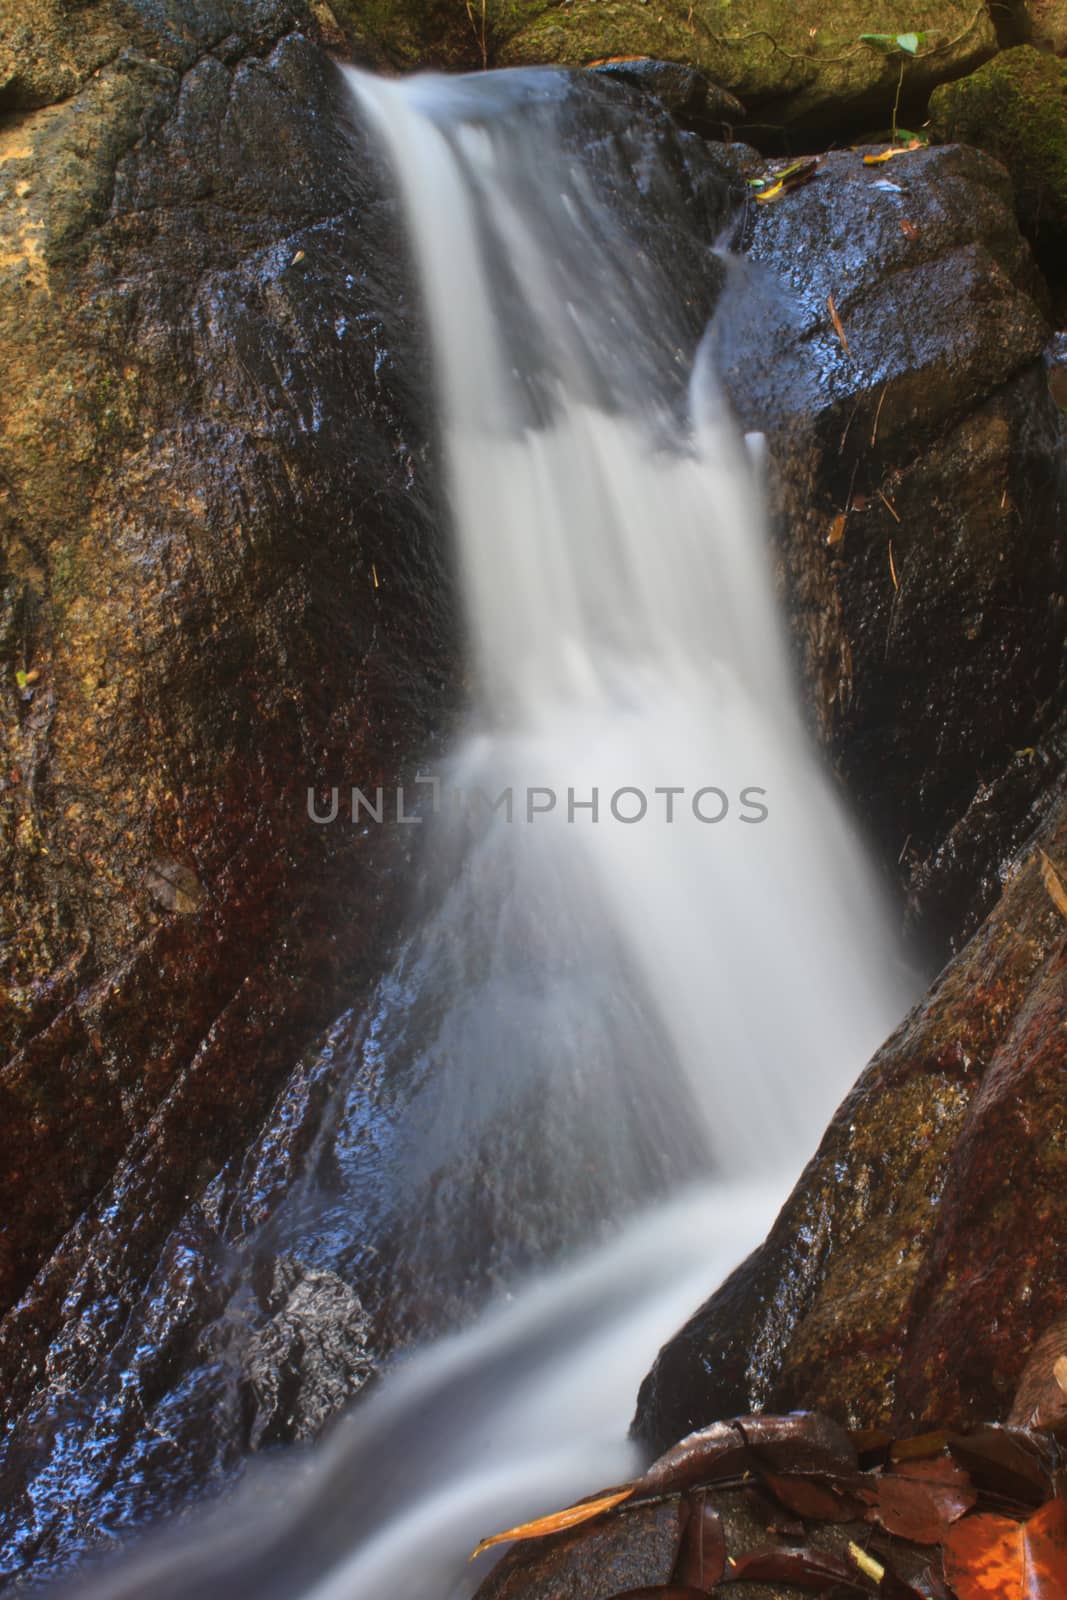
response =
{"points": [[887, 155], [1056, 892], [573, 1517]]}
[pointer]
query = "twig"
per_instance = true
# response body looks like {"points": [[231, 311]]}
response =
{"points": [[878, 413]]}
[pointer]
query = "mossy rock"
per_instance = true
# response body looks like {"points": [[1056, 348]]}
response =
{"points": [[1016, 108], [1044, 23], [789, 63]]}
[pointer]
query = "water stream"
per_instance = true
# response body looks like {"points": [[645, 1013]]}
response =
{"points": [[637, 999]]}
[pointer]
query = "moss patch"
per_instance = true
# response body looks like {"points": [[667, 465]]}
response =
{"points": [[787, 61], [1016, 108]]}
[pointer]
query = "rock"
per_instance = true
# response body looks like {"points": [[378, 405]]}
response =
{"points": [[799, 67], [221, 582], [922, 1254], [1016, 107], [609, 1558], [312, 1357], [1044, 23], [689, 95], [930, 621]]}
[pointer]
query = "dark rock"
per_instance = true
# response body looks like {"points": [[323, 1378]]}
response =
{"points": [[930, 621], [635, 1551], [920, 1257], [222, 581], [310, 1359], [688, 94]]}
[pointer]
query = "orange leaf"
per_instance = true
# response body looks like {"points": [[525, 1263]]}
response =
{"points": [[558, 1521], [993, 1558]]}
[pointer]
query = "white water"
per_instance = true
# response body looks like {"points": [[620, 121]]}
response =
{"points": [[660, 987]]}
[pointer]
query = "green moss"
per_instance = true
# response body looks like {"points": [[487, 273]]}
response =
{"points": [[787, 55], [1016, 108]]}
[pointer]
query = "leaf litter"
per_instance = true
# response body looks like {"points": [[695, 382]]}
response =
{"points": [[971, 1515]]}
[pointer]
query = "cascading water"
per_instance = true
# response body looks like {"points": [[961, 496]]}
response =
{"points": [[670, 991]]}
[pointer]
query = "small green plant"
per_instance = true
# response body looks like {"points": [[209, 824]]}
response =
{"points": [[904, 45]]}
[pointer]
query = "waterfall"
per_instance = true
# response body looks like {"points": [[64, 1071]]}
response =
{"points": [[657, 957]]}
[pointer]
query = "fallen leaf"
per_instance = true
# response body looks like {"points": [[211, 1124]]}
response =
{"points": [[1059, 1371], [702, 1554], [1012, 1463], [836, 320], [803, 1441], [897, 150], [992, 1558], [815, 1570], [558, 1521], [1058, 895], [908, 229], [812, 1497], [710, 1455], [923, 1499], [794, 177], [837, 528]]}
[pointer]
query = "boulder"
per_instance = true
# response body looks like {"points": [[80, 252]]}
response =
{"points": [[1016, 107], [221, 582], [917, 489], [922, 1256], [1044, 23]]}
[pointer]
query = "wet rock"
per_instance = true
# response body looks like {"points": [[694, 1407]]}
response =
{"points": [[917, 488], [920, 1258], [1016, 107], [637, 1551], [688, 94], [311, 1358], [221, 582]]}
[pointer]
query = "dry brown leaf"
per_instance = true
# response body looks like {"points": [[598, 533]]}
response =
{"points": [[836, 320], [837, 529], [1059, 1372], [1053, 885], [558, 1521]]}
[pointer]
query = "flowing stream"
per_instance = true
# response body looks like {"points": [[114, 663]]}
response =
{"points": [[640, 995]]}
